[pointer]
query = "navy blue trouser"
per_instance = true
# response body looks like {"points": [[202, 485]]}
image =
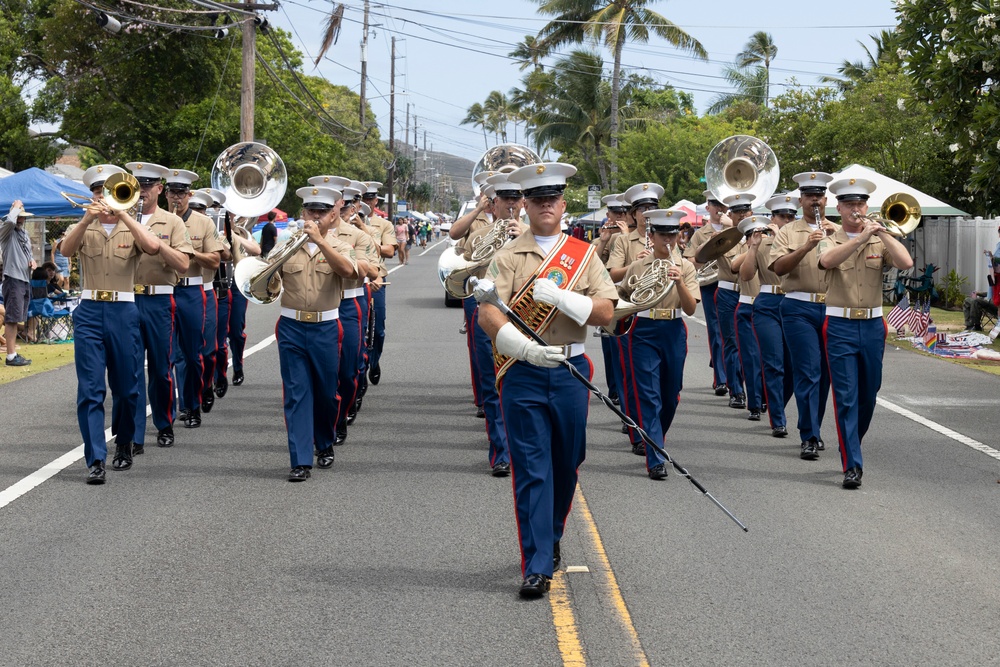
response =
{"points": [[156, 328], [629, 396], [659, 348], [469, 305], [716, 348], [545, 414], [854, 350], [726, 301], [363, 304], [378, 299], [188, 364], [209, 340], [489, 395], [802, 323], [350, 355], [775, 357], [308, 358], [749, 356], [610, 359], [221, 334], [237, 327], [106, 339]]}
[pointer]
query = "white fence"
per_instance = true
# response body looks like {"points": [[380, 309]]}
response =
{"points": [[955, 243]]}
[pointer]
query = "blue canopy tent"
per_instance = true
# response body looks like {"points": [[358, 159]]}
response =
{"points": [[39, 190]]}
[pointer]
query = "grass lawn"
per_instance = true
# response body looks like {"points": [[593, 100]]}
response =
{"points": [[43, 358], [950, 321]]}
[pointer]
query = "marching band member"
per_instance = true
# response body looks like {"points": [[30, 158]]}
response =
{"points": [[106, 324], [155, 277], [190, 297], [793, 257], [774, 355], [616, 224], [543, 405], [658, 339], [717, 221], [628, 248], [357, 218], [309, 331], [746, 341], [727, 297], [385, 237], [854, 257]]}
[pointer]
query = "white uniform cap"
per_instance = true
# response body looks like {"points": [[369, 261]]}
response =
{"points": [[487, 191], [181, 177], [710, 196], [748, 225], [812, 182], [740, 200], [349, 193], [97, 174], [146, 172], [643, 193], [317, 197], [852, 189], [782, 204], [664, 220], [359, 186], [372, 187], [366, 209], [335, 182], [546, 179], [614, 201], [501, 183], [218, 197], [481, 177], [201, 197]]}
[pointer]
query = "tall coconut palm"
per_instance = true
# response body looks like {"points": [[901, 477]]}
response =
{"points": [[534, 94], [528, 54], [760, 49], [612, 22], [750, 94], [476, 117], [857, 71], [498, 110]]}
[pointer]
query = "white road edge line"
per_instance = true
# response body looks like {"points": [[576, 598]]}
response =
{"points": [[429, 248], [22, 486]]}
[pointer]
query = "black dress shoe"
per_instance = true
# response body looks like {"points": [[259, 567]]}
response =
{"points": [[222, 386], [362, 390], [96, 475], [779, 432], [501, 469], [123, 457], [298, 474], [182, 415], [639, 448], [556, 556], [534, 586], [658, 472], [480, 412], [194, 419], [341, 437], [624, 429], [721, 390], [809, 451], [614, 399], [739, 401], [165, 437], [820, 445], [324, 458], [352, 415], [237, 378], [754, 416], [852, 478], [207, 400], [375, 373]]}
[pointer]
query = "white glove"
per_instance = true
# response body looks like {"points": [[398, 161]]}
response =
{"points": [[576, 306], [512, 343]]}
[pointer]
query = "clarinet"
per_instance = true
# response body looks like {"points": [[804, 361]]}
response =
{"points": [[370, 331]]}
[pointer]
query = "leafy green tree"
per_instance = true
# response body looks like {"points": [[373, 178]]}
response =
{"points": [[952, 52], [612, 22], [789, 127]]}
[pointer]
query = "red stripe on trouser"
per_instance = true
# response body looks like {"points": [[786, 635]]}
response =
{"points": [[631, 364]]}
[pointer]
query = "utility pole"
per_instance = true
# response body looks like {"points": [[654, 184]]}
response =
{"points": [[392, 131], [247, 88], [425, 144], [414, 138], [364, 68], [407, 133]]}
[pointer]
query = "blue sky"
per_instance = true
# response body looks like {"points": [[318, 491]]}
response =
{"points": [[452, 53]]}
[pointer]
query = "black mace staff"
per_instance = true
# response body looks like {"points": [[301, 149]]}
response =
{"points": [[489, 295]]}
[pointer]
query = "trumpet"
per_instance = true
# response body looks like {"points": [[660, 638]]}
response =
{"points": [[120, 193], [890, 226]]}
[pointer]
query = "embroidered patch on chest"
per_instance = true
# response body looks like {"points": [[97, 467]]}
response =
{"points": [[556, 275], [873, 257]]}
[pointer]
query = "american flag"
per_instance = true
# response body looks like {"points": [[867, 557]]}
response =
{"points": [[901, 315], [921, 319]]}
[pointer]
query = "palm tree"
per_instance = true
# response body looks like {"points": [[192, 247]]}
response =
{"points": [[751, 90], [476, 116], [614, 22], [497, 110], [534, 95], [528, 54], [858, 71], [759, 49]]}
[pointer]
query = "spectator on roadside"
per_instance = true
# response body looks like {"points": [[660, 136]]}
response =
{"points": [[686, 232], [61, 264], [268, 235], [402, 239], [974, 307], [55, 289], [437, 229], [18, 264]]}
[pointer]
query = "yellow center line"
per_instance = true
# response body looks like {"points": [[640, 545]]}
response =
{"points": [[567, 634]]}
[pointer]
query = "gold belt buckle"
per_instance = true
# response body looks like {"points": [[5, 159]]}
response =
{"points": [[858, 313], [144, 290], [820, 298], [308, 316], [104, 295], [661, 314]]}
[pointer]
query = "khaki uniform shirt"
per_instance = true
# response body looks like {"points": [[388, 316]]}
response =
{"points": [[470, 242], [384, 234], [807, 276], [698, 239], [518, 261], [482, 220], [689, 275], [108, 261], [764, 272], [204, 238], [857, 281], [170, 229], [624, 249], [362, 244], [309, 281], [606, 255], [725, 262]]}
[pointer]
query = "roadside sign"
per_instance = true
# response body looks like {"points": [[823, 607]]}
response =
{"points": [[594, 197]]}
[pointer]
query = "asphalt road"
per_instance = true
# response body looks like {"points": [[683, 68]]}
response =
{"points": [[405, 552]]}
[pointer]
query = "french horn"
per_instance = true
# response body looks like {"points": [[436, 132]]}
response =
{"points": [[648, 289]]}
